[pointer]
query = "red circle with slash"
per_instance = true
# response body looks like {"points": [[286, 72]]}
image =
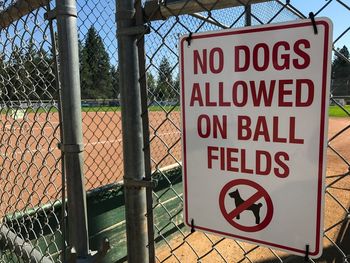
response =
{"points": [[260, 194]]}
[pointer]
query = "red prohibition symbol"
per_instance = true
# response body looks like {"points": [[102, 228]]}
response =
{"points": [[249, 204]]}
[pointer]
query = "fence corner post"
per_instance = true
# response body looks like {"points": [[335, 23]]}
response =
{"points": [[72, 138], [132, 127]]}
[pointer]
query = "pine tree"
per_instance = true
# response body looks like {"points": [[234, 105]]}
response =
{"points": [[177, 87], [80, 50], [3, 73], [39, 80], [28, 74], [165, 80], [16, 85], [151, 82], [45, 80], [341, 68], [96, 77], [151, 87], [341, 73], [115, 82]]}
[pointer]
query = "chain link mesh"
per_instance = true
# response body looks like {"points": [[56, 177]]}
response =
{"points": [[100, 92], [175, 241], [30, 161]]}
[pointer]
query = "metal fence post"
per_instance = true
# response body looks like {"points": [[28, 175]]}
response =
{"points": [[248, 14], [72, 145], [146, 135], [134, 168]]}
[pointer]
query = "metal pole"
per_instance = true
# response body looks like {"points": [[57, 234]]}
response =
{"points": [[63, 176], [134, 166], [19, 9], [21, 248], [72, 145], [157, 10], [146, 137], [248, 15], [210, 20]]}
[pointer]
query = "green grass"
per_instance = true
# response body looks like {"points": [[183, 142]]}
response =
{"points": [[113, 109], [336, 111], [100, 109], [93, 109]]}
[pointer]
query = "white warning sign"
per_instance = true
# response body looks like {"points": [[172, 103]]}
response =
{"points": [[254, 116]]}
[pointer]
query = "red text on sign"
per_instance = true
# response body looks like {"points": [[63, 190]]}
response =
{"points": [[281, 55], [215, 59], [261, 131], [261, 55], [284, 93], [212, 126], [235, 160]]}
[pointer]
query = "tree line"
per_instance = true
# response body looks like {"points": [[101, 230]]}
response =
{"points": [[341, 73], [100, 80], [30, 74], [27, 75]]}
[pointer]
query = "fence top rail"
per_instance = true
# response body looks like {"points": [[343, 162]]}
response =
{"points": [[19, 9], [156, 11]]}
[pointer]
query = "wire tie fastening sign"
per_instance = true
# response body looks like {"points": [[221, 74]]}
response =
{"points": [[312, 17], [189, 39], [307, 252], [192, 226]]}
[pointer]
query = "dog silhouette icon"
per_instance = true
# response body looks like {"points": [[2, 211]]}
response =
{"points": [[255, 208]]}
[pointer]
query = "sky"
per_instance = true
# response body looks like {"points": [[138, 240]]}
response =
{"points": [[101, 14], [339, 14]]}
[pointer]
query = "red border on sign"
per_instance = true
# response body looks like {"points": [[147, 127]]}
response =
{"points": [[322, 129]]}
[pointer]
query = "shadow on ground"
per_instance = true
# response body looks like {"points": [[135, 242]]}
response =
{"points": [[331, 254]]}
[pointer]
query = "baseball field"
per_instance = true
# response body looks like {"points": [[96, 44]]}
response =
{"points": [[30, 174]]}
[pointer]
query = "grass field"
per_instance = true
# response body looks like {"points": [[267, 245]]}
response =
{"points": [[334, 110], [89, 109], [30, 175], [111, 109]]}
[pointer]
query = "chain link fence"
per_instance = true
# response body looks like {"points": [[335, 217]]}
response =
{"points": [[33, 192], [31, 175], [30, 161], [99, 75], [175, 242]]}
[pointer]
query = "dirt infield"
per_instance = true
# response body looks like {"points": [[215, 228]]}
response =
{"points": [[209, 248], [103, 144], [30, 159], [30, 174]]}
